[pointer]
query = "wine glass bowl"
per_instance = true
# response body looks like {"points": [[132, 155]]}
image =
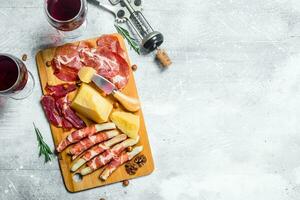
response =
{"points": [[15, 80], [66, 15]]}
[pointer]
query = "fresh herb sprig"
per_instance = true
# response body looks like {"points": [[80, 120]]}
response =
{"points": [[44, 149], [131, 41]]}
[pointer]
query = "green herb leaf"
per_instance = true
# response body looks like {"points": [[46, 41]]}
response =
{"points": [[131, 41], [44, 149]]}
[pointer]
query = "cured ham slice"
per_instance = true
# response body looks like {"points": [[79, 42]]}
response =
{"points": [[96, 150], [107, 156], [66, 63], [110, 43], [82, 133], [64, 106], [118, 161], [90, 141], [108, 64], [61, 90], [52, 114]]}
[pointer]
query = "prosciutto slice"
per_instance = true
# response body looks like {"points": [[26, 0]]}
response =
{"points": [[110, 43], [107, 156], [118, 161], [52, 114], [77, 135], [64, 106], [88, 142], [61, 90]]}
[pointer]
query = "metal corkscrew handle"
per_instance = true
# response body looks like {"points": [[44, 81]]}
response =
{"points": [[151, 39]]}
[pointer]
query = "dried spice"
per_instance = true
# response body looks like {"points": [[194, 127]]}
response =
{"points": [[140, 160]]}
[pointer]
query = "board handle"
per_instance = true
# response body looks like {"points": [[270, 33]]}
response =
{"points": [[130, 103]]}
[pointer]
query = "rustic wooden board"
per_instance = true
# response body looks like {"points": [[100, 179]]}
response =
{"points": [[92, 180]]}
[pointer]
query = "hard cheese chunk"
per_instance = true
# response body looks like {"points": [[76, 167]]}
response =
{"points": [[89, 103], [86, 74], [128, 123]]}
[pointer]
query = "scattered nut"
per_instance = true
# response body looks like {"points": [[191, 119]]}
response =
{"points": [[129, 149], [125, 183], [134, 67], [140, 160], [24, 57], [101, 199], [48, 63], [131, 168], [116, 105], [78, 83]]}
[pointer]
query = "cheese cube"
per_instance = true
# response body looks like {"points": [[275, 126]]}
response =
{"points": [[89, 103], [86, 74], [127, 122]]}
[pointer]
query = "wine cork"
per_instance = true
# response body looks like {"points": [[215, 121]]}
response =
{"points": [[163, 58]]}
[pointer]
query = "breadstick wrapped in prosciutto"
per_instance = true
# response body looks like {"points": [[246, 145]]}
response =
{"points": [[90, 141], [82, 133], [107, 156], [96, 150], [118, 161]]}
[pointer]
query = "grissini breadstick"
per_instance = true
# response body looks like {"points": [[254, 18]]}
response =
{"points": [[82, 133], [118, 161], [107, 156], [91, 140], [96, 150]]}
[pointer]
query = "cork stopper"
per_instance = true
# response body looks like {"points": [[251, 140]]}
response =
{"points": [[163, 58]]}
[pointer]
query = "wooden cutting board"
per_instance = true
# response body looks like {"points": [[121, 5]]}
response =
{"points": [[92, 180]]}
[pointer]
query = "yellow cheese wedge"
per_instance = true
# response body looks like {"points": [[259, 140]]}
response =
{"points": [[127, 122], [89, 103], [85, 74]]}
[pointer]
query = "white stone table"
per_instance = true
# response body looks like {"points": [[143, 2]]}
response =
{"points": [[223, 121]]}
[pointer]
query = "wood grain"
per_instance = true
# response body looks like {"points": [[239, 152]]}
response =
{"points": [[92, 180]]}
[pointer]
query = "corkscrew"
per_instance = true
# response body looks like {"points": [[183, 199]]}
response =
{"points": [[130, 11]]}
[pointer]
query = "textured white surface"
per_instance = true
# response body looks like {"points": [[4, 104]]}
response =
{"points": [[223, 121]]}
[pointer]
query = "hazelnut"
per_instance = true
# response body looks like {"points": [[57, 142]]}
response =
{"points": [[129, 149], [101, 199], [125, 183], [24, 57], [116, 105], [134, 67], [48, 63]]}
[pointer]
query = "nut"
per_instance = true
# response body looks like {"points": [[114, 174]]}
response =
{"points": [[125, 183], [129, 149], [24, 57], [116, 105], [78, 83], [140, 160], [48, 63], [134, 67], [101, 199], [131, 168]]}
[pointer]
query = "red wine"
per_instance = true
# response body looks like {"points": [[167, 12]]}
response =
{"points": [[8, 73], [64, 10], [66, 15]]}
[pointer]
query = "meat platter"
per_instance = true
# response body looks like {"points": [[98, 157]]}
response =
{"points": [[95, 136]]}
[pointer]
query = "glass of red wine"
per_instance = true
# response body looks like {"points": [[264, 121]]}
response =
{"points": [[67, 16], [16, 81]]}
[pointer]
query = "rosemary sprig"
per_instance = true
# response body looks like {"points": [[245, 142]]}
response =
{"points": [[131, 41], [44, 149]]}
